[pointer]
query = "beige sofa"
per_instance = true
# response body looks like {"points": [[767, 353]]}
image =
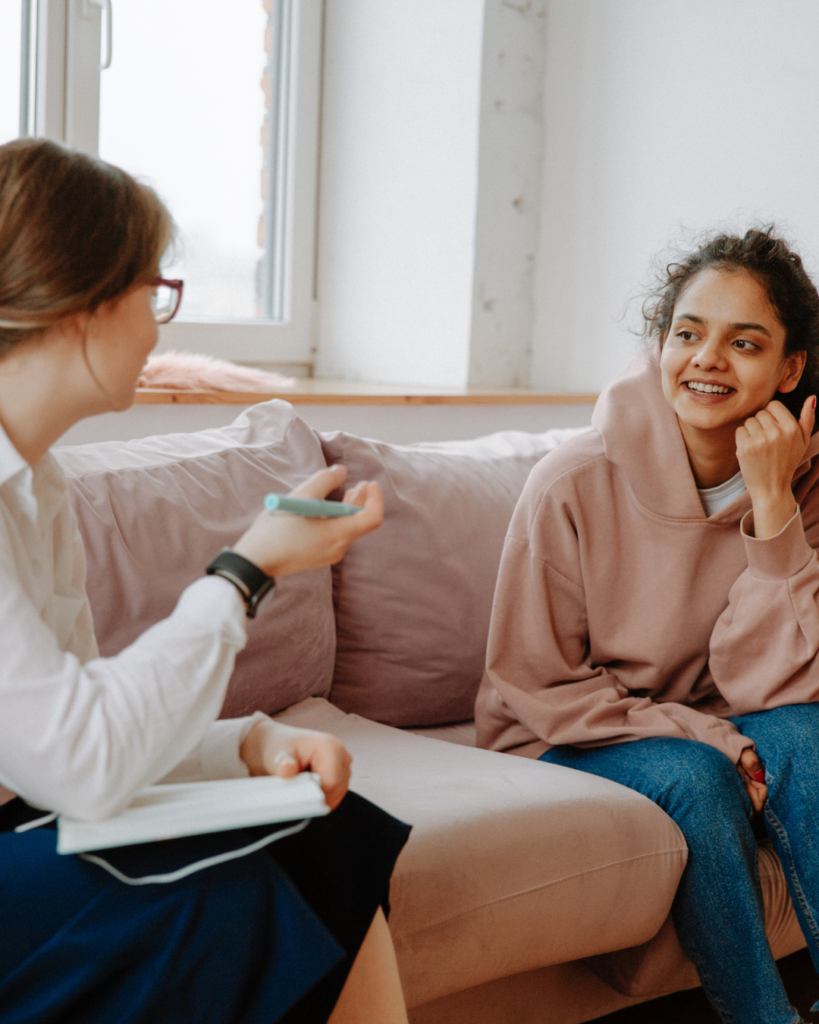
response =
{"points": [[527, 892]]}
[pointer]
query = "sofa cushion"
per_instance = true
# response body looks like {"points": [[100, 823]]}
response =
{"points": [[512, 864], [154, 512], [413, 599], [660, 966]]}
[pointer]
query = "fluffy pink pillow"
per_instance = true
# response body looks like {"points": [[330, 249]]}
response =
{"points": [[413, 599], [154, 512]]}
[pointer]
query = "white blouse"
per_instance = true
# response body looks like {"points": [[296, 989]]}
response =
{"points": [[81, 734]]}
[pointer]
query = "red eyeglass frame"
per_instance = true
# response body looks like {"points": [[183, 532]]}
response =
{"points": [[177, 285]]}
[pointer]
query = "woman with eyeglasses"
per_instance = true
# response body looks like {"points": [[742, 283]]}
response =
{"points": [[293, 932]]}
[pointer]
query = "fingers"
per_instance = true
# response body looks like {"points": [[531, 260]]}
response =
{"points": [[772, 425], [778, 412], [753, 773], [368, 496], [355, 495], [327, 757], [320, 484], [750, 762], [808, 418], [285, 765], [273, 748], [772, 417], [758, 794]]}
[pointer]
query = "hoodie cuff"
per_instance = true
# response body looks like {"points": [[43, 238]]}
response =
{"points": [[778, 557], [735, 743]]}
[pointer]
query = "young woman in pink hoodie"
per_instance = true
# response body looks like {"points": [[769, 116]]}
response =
{"points": [[656, 618]]}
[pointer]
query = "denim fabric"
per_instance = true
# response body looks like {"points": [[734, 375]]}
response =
{"points": [[718, 911]]}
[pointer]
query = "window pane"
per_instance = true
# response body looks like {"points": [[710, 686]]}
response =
{"points": [[182, 106], [10, 29]]}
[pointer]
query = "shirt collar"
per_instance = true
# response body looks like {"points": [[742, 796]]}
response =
{"points": [[11, 461]]}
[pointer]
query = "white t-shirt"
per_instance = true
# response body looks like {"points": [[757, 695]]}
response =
{"points": [[715, 498], [81, 734]]}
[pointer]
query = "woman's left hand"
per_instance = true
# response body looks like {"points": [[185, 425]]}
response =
{"points": [[273, 748], [753, 775], [770, 446]]}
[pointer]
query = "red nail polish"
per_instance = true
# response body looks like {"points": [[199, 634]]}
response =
{"points": [[759, 776], [814, 401]]}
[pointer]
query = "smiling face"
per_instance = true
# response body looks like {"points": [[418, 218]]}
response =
{"points": [[724, 357]]}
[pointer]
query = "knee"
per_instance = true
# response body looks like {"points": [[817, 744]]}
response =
{"points": [[786, 737], [707, 792]]}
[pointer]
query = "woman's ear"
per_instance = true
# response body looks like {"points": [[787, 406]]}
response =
{"points": [[794, 365]]}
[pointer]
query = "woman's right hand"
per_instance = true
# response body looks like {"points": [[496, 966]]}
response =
{"points": [[749, 767], [281, 543]]}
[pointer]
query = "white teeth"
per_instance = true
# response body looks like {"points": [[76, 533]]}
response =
{"points": [[707, 389]]}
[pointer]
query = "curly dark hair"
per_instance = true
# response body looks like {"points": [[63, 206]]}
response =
{"points": [[791, 293]]}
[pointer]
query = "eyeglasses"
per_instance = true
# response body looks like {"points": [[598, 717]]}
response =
{"points": [[166, 299]]}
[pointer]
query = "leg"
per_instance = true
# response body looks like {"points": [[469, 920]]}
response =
{"points": [[717, 910], [373, 988], [787, 741], [341, 865]]}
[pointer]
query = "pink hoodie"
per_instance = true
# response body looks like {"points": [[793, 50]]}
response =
{"points": [[622, 612]]}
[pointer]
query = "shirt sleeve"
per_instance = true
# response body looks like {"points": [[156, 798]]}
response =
{"points": [[83, 738], [764, 646], [539, 666], [217, 755]]}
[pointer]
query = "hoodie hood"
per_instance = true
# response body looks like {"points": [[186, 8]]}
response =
{"points": [[641, 436]]}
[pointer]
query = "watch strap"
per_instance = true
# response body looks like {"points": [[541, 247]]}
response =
{"points": [[252, 583]]}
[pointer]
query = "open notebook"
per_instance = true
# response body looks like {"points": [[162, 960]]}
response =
{"points": [[193, 808]]}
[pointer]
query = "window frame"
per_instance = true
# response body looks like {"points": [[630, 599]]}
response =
{"points": [[65, 107]]}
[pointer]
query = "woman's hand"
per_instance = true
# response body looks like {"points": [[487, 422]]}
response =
{"points": [[770, 446], [281, 543], [753, 775], [273, 748]]}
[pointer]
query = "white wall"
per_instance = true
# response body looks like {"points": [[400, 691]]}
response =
{"points": [[397, 424], [430, 179], [662, 116], [509, 183], [399, 162]]}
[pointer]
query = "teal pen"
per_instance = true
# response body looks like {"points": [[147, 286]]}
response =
{"points": [[310, 507]]}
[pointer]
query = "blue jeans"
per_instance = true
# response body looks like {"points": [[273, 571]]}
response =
{"points": [[717, 910]]}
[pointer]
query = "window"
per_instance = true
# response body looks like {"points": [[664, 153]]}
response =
{"points": [[11, 14], [213, 102]]}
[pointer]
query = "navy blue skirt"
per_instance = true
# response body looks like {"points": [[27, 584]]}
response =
{"points": [[269, 937]]}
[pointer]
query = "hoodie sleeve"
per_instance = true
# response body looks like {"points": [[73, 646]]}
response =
{"points": [[540, 683], [764, 646]]}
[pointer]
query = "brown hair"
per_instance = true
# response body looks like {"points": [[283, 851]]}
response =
{"points": [[74, 232]]}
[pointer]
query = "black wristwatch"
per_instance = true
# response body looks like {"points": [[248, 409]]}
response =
{"points": [[253, 584]]}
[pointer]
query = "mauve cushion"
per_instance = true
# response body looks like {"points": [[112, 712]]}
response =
{"points": [[153, 513], [413, 599]]}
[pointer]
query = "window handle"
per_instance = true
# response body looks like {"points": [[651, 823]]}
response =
{"points": [[105, 8]]}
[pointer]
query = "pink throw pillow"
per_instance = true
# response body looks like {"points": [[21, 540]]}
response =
{"points": [[154, 512], [413, 599]]}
